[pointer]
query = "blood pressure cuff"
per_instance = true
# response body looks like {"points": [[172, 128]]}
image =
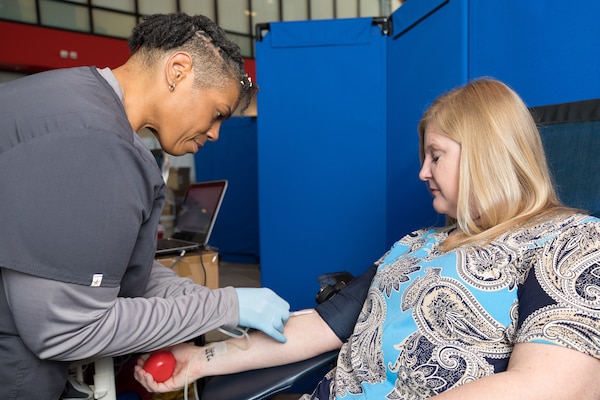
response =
{"points": [[341, 311]]}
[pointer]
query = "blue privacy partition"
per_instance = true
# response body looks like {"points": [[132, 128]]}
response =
{"points": [[548, 51], [321, 149], [234, 157], [427, 54]]}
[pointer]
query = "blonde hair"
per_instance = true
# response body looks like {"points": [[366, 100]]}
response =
{"points": [[504, 177]]}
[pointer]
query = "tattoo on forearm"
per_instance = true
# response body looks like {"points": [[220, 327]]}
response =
{"points": [[210, 353], [214, 349]]}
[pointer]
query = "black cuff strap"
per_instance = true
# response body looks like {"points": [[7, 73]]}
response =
{"points": [[341, 311]]}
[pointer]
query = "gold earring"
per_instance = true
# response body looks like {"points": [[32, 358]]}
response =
{"points": [[171, 87]]}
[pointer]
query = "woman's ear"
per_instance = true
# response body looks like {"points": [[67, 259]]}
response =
{"points": [[178, 67]]}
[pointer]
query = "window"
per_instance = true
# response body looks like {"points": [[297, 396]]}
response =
{"points": [[264, 11], [148, 7], [65, 15], [237, 17], [20, 10], [234, 15], [198, 7], [346, 8], [321, 9], [122, 5], [294, 10], [112, 23]]}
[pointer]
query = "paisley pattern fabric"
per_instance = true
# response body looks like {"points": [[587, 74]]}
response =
{"points": [[433, 321]]}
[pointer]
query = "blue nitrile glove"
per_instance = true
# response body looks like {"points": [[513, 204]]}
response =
{"points": [[261, 308]]}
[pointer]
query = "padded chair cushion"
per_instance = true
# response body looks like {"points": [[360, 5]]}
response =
{"points": [[571, 136], [572, 150], [263, 383]]}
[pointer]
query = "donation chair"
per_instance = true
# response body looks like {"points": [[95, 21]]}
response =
{"points": [[571, 137]]}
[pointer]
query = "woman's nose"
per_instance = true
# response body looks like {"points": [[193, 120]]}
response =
{"points": [[213, 133], [424, 173]]}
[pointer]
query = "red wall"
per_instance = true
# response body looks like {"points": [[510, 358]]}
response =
{"points": [[30, 48]]}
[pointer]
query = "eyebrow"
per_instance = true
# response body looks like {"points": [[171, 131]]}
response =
{"points": [[432, 146]]}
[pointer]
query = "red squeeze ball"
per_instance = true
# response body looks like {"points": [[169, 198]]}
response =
{"points": [[160, 365]]}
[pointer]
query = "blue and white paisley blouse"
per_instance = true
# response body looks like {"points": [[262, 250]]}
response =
{"points": [[435, 320]]}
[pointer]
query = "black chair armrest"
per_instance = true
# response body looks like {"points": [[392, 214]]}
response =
{"points": [[263, 383]]}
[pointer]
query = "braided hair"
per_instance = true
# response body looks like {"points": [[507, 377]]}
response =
{"points": [[216, 58]]}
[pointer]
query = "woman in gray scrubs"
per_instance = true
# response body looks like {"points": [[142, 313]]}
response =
{"points": [[81, 199]]}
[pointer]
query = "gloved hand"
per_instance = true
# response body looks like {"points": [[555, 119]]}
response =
{"points": [[261, 308]]}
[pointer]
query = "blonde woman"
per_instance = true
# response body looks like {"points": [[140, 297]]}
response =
{"points": [[500, 304]]}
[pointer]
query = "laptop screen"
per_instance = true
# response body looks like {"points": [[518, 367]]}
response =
{"points": [[198, 212]]}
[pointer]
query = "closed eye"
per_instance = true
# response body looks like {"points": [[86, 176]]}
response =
{"points": [[221, 116]]}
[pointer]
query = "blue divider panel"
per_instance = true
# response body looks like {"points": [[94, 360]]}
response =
{"points": [[546, 50], [321, 147], [234, 157]]}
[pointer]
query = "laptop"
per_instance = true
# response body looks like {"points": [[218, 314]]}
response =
{"points": [[196, 218]]}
